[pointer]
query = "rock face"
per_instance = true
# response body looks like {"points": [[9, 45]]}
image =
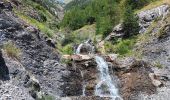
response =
{"points": [[39, 70], [85, 48], [117, 32], [38, 62], [157, 52], [146, 17], [4, 72], [133, 77]]}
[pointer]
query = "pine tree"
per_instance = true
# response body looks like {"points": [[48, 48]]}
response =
{"points": [[130, 22]]}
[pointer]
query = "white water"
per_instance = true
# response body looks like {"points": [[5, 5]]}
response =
{"points": [[84, 84], [105, 86], [79, 48]]}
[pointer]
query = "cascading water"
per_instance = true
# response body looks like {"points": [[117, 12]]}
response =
{"points": [[79, 48], [105, 86], [84, 85]]}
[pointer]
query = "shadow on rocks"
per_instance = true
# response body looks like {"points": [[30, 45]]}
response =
{"points": [[4, 72]]}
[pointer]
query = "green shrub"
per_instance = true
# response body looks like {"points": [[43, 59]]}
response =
{"points": [[130, 22], [68, 49], [121, 47], [137, 4], [11, 50]]}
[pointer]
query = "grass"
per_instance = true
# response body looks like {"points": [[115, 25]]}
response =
{"points": [[11, 50], [68, 49], [154, 4], [158, 64], [84, 33], [37, 24], [47, 97], [122, 47], [48, 25]]}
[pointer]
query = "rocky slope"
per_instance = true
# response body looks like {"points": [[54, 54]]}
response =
{"points": [[31, 67]]}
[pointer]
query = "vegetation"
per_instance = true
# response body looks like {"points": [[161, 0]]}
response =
{"points": [[130, 22], [11, 50], [105, 14], [47, 97], [42, 18], [158, 64], [121, 47], [102, 12]]}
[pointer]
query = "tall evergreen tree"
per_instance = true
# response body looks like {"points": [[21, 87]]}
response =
{"points": [[130, 22]]}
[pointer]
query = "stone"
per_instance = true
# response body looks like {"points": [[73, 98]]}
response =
{"points": [[10, 91], [117, 32], [146, 17], [155, 82]]}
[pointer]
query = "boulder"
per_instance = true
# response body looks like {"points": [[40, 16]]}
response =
{"points": [[117, 32], [78, 57], [85, 48], [155, 81]]}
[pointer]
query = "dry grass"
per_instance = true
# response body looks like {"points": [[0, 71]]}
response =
{"points": [[154, 4], [11, 50]]}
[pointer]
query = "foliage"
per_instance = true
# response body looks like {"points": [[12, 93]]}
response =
{"points": [[37, 24], [47, 22], [121, 47], [68, 49], [130, 23], [11, 50], [103, 12], [79, 3], [137, 4], [158, 64]]}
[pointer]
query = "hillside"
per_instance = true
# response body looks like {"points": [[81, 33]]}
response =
{"points": [[84, 50]]}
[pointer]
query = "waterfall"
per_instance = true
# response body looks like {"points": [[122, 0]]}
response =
{"points": [[84, 84], [79, 48], [105, 86]]}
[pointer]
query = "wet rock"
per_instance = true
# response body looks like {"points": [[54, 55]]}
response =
{"points": [[133, 77], [111, 57], [78, 57], [85, 48], [87, 98]]}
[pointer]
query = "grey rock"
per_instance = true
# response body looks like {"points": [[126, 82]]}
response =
{"points": [[146, 17], [11, 92]]}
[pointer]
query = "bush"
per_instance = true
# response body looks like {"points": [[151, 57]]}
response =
{"points": [[11, 50], [122, 47], [136, 4], [130, 22], [68, 49]]}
